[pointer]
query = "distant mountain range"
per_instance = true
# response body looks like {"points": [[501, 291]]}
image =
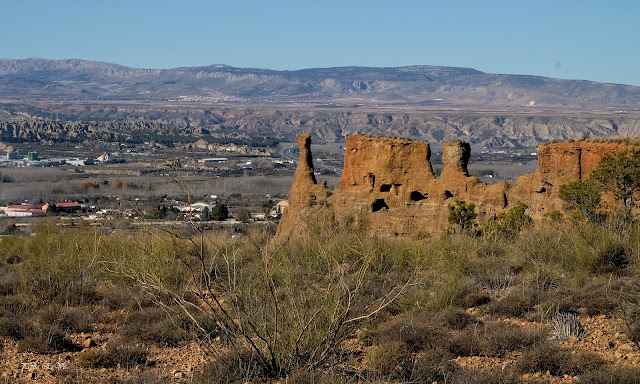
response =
{"points": [[414, 85], [75, 99]]}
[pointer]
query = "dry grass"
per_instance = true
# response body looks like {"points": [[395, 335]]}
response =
{"points": [[65, 281]]}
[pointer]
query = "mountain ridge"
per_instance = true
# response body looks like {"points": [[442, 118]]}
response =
{"points": [[448, 86]]}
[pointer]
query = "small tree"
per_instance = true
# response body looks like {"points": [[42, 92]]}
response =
{"points": [[510, 224], [464, 215], [619, 173], [582, 197], [243, 214], [220, 212]]}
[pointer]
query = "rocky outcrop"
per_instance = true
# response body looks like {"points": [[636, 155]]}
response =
{"points": [[306, 194], [232, 148], [559, 164], [5, 148], [389, 184]]}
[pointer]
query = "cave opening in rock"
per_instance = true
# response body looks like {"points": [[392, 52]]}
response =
{"points": [[417, 196], [448, 194], [385, 187], [542, 190], [379, 204]]}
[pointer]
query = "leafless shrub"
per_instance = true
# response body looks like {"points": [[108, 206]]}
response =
{"points": [[566, 324]]}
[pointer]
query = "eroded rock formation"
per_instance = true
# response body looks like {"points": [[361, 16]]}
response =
{"points": [[389, 184], [305, 195], [559, 164]]}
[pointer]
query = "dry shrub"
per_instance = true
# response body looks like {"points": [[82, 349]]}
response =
{"points": [[303, 376], [600, 296], [46, 339], [610, 375], [13, 305], [548, 357], [13, 326], [128, 356], [515, 304], [79, 376], [154, 325], [116, 299], [73, 319], [78, 295], [230, 367], [9, 279], [116, 353], [612, 258], [90, 184], [477, 376], [433, 365], [94, 358], [145, 377], [418, 330], [391, 360], [493, 340], [476, 299], [454, 318], [567, 324]]}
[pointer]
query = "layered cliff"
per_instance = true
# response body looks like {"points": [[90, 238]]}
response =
{"points": [[389, 184]]}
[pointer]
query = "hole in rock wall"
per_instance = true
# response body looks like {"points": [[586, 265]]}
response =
{"points": [[542, 190], [385, 187], [379, 204], [448, 194], [417, 196]]}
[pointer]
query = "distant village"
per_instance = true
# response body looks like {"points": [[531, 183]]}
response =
{"points": [[13, 158], [81, 204], [198, 211]]}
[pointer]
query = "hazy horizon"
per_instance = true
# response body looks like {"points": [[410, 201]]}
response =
{"points": [[568, 40]]}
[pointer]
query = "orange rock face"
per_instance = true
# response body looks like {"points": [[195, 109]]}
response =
{"points": [[558, 164], [305, 193], [389, 184]]}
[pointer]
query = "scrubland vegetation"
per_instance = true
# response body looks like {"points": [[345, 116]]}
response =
{"points": [[339, 306], [504, 302]]}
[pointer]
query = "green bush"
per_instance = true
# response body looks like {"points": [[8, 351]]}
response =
{"points": [[582, 197], [619, 174], [508, 225], [463, 215]]}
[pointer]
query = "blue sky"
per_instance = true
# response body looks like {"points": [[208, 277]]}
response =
{"points": [[592, 40]]}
